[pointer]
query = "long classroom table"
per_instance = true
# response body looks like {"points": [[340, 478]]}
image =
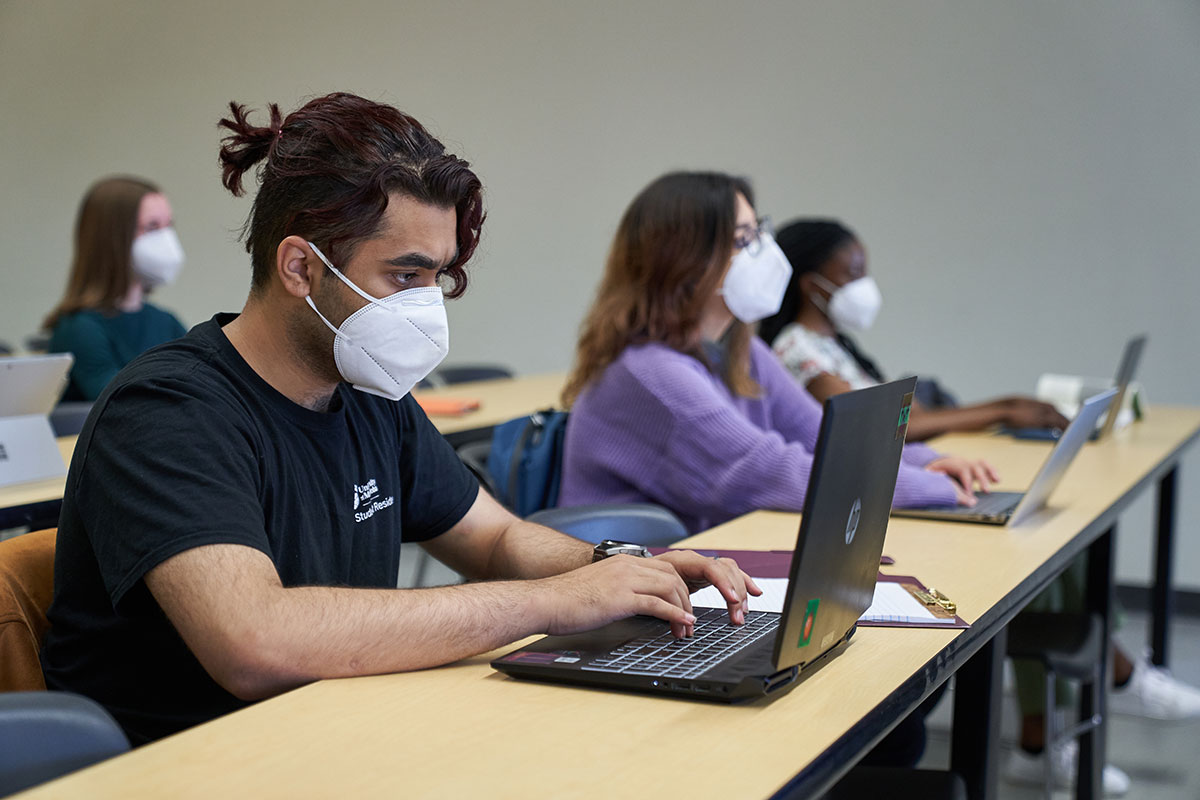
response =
{"points": [[500, 400], [34, 501], [465, 730]]}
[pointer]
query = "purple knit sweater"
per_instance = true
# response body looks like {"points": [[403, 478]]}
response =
{"points": [[658, 427]]}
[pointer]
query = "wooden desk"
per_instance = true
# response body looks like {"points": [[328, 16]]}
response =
{"points": [[23, 503], [1166, 478], [465, 730], [500, 400]]}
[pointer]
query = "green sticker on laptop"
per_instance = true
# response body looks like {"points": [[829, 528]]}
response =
{"points": [[810, 621], [905, 411]]}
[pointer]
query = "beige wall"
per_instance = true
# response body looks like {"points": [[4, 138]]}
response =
{"points": [[1026, 175]]}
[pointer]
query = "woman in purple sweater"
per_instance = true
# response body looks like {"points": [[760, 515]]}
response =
{"points": [[673, 400]]}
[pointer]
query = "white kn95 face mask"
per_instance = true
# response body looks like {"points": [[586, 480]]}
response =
{"points": [[755, 284], [390, 344], [852, 306], [157, 257]]}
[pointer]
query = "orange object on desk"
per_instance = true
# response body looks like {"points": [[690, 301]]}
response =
{"points": [[447, 406]]}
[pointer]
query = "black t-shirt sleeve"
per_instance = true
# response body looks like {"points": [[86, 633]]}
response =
{"points": [[436, 489], [166, 470]]}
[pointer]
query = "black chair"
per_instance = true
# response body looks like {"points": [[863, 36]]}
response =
{"points": [[464, 373], [1067, 645], [640, 523], [38, 342], [44, 735], [475, 456], [67, 418]]}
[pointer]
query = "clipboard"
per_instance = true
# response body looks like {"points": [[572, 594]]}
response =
{"points": [[912, 586], [777, 564]]}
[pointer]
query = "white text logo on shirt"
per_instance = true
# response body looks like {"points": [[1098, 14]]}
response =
{"points": [[364, 498]]}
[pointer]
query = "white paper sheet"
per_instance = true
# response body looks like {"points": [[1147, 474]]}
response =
{"points": [[774, 592], [892, 603]]}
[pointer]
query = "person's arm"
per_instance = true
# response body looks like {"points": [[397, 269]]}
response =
{"points": [[1016, 412], [257, 638], [825, 385]]}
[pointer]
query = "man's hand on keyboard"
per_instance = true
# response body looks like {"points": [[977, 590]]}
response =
{"points": [[723, 573], [613, 589]]}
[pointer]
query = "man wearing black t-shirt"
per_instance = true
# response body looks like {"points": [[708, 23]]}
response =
{"points": [[236, 502]]}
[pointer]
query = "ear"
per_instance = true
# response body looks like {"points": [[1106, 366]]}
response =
{"points": [[293, 260]]}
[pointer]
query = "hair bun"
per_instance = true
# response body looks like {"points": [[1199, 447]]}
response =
{"points": [[246, 145]]}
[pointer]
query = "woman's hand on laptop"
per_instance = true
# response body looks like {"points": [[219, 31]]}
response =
{"points": [[1025, 412], [967, 475], [722, 573]]}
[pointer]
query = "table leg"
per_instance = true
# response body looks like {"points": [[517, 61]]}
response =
{"points": [[1161, 603], [975, 742], [1092, 744]]}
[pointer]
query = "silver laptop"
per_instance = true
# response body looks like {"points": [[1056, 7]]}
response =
{"points": [[29, 389], [1125, 373], [1009, 508]]}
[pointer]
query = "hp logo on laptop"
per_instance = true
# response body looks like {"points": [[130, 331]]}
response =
{"points": [[852, 523]]}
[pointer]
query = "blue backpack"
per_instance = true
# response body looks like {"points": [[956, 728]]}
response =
{"points": [[526, 460]]}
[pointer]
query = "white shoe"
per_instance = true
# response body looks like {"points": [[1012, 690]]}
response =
{"points": [[1030, 770], [1153, 693]]}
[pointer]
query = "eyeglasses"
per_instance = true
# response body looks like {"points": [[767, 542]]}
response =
{"points": [[751, 242]]}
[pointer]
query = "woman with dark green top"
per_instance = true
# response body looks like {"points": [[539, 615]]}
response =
{"points": [[125, 245]]}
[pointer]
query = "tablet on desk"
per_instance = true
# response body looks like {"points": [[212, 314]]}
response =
{"points": [[29, 388]]}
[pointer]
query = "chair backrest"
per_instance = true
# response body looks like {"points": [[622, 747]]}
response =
{"points": [[47, 734], [464, 373], [475, 456], [67, 418], [26, 589], [640, 523]]}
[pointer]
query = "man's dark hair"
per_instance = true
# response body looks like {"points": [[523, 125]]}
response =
{"points": [[327, 171]]}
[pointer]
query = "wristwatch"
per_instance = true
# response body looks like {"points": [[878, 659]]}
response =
{"points": [[611, 547]]}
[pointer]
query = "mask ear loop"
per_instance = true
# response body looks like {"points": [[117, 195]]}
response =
{"points": [[328, 324], [308, 298], [346, 280], [820, 302]]}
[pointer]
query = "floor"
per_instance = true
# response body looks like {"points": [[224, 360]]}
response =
{"points": [[1161, 759]]}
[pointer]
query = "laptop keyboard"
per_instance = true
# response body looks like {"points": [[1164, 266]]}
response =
{"points": [[991, 504], [715, 640]]}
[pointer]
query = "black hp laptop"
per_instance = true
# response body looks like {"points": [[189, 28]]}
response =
{"points": [[831, 583], [1003, 508], [1125, 372]]}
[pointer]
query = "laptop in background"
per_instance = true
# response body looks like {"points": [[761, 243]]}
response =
{"points": [[831, 581], [1126, 371], [29, 389], [1009, 508]]}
